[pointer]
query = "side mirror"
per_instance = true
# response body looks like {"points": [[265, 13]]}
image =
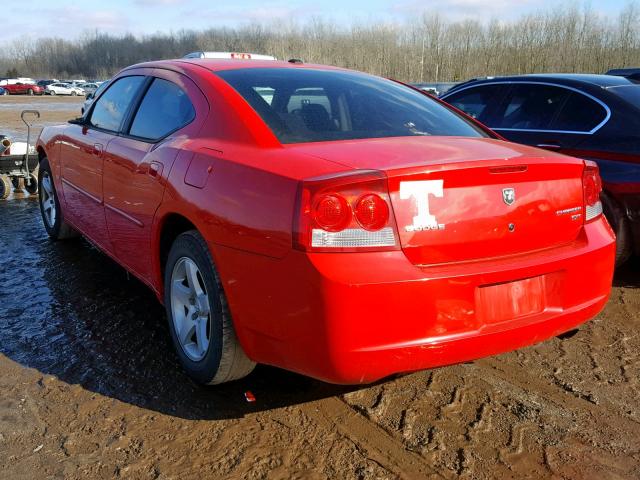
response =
{"points": [[78, 121]]}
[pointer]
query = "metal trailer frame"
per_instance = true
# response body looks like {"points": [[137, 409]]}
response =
{"points": [[13, 168]]}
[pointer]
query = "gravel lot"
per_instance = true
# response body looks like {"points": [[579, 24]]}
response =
{"points": [[90, 388]]}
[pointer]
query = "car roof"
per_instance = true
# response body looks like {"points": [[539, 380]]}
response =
{"points": [[217, 64], [569, 79]]}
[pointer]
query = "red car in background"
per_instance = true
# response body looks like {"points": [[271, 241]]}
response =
{"points": [[23, 89], [325, 221]]}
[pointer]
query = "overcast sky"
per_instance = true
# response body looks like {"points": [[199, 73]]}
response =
{"points": [[69, 18]]}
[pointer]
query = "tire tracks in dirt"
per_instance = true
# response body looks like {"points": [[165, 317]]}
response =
{"points": [[387, 451]]}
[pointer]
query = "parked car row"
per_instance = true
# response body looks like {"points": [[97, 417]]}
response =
{"points": [[48, 87], [331, 222]]}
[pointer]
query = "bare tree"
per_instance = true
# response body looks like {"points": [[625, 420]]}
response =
{"points": [[428, 47]]}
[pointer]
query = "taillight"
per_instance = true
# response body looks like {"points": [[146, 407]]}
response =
{"points": [[332, 212], [350, 212], [591, 187], [372, 212]]}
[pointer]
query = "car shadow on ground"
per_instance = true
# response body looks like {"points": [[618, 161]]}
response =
{"points": [[129, 333], [628, 275], [68, 310]]}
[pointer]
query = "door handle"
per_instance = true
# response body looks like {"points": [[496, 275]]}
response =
{"points": [[549, 146], [97, 149]]}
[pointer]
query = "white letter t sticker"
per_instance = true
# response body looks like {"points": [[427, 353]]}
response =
{"points": [[420, 191]]}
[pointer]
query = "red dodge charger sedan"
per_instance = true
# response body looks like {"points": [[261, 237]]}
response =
{"points": [[325, 221]]}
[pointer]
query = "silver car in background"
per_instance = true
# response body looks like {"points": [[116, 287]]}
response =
{"points": [[91, 96], [89, 87], [63, 89]]}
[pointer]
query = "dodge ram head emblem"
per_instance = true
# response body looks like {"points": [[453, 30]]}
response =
{"points": [[509, 195]]}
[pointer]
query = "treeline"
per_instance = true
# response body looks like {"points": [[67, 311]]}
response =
{"points": [[428, 48]]}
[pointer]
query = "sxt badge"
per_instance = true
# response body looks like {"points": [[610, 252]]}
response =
{"points": [[420, 191]]}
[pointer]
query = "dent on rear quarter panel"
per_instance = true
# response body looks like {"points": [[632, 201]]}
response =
{"points": [[239, 206], [251, 209]]}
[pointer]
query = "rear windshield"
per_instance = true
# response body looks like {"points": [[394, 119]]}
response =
{"points": [[320, 105], [630, 93]]}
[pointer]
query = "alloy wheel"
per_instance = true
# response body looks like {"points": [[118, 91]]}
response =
{"points": [[48, 201], [190, 308]]}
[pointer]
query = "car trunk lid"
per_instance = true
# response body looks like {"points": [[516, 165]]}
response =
{"points": [[463, 199]]}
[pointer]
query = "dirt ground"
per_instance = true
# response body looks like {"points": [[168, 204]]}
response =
{"points": [[90, 388], [53, 110]]}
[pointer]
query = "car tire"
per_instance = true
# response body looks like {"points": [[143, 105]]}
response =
{"points": [[73, 94], [52, 92], [52, 215], [30, 92], [5, 187], [620, 224], [199, 319], [6, 92]]}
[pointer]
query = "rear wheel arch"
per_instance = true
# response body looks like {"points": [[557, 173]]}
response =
{"points": [[224, 359], [171, 226]]}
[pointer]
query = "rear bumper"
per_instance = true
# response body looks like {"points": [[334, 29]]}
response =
{"points": [[368, 365], [356, 318]]}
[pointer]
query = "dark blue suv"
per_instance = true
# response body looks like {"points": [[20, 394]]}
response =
{"points": [[595, 117]]}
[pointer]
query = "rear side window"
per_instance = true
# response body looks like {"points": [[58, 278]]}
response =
{"points": [[579, 114], [111, 107], [305, 105], [477, 101], [164, 109], [532, 107]]}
